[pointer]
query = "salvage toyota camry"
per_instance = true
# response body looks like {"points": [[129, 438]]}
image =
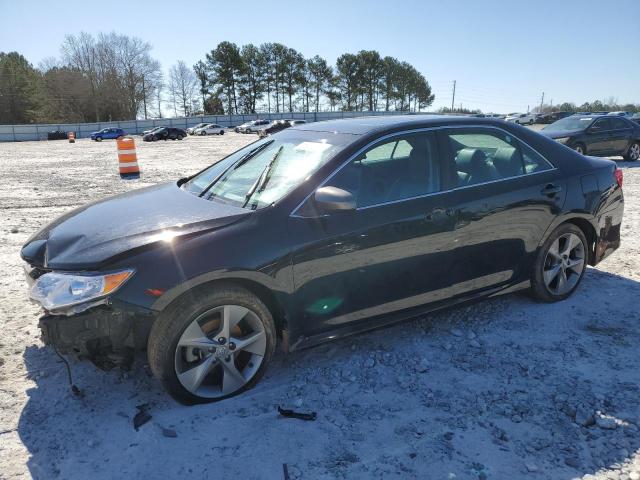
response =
{"points": [[317, 232]]}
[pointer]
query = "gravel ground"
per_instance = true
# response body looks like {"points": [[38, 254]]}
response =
{"points": [[505, 388]]}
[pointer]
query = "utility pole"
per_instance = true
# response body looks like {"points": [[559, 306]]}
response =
{"points": [[453, 99], [144, 98], [541, 102]]}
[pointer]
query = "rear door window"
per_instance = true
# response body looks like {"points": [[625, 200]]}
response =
{"points": [[479, 156], [618, 124]]}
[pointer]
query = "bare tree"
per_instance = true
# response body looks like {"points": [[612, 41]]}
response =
{"points": [[182, 87]]}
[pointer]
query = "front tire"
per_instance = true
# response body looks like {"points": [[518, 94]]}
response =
{"points": [[179, 137], [560, 264], [203, 133], [221, 132], [580, 148], [98, 139], [633, 154], [212, 344]]}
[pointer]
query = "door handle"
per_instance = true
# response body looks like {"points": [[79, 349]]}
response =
{"points": [[550, 190]]}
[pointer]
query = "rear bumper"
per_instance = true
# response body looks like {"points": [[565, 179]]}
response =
{"points": [[609, 227]]}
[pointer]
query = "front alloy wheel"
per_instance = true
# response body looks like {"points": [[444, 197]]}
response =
{"points": [[211, 343], [220, 351], [634, 152]]}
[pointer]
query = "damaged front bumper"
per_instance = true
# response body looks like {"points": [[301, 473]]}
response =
{"points": [[106, 335]]}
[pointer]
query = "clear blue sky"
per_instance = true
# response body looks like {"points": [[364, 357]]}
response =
{"points": [[502, 53]]}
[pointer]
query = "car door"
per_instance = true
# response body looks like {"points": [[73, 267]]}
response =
{"points": [[620, 135], [391, 253], [505, 196], [597, 135]]}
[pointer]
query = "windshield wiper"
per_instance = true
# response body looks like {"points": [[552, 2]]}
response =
{"points": [[244, 159], [263, 179]]}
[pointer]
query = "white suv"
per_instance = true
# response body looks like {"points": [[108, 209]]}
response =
{"points": [[521, 118], [254, 126], [210, 129]]}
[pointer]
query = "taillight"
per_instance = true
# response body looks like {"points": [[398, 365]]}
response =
{"points": [[619, 176]]}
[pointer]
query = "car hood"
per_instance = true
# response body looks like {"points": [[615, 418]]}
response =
{"points": [[90, 236], [560, 133]]}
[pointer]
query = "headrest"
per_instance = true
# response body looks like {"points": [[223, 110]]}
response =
{"points": [[507, 161], [468, 158]]}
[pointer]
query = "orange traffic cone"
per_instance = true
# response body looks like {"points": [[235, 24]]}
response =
{"points": [[72, 137], [127, 158]]}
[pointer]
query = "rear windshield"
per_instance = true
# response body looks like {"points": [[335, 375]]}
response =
{"points": [[265, 171]]}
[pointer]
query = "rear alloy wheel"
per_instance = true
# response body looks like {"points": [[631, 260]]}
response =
{"points": [[212, 345], [560, 264], [634, 152]]}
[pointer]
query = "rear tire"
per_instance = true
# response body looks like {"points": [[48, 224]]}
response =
{"points": [[205, 311], [203, 133], [179, 137], [98, 139], [633, 154], [221, 132], [560, 264]]}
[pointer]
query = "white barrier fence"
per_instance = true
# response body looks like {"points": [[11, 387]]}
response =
{"points": [[22, 133]]}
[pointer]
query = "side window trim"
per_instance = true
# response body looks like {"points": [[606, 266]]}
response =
{"points": [[439, 154]]}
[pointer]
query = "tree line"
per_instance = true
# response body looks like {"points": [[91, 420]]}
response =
{"points": [[110, 77], [610, 104], [275, 78]]}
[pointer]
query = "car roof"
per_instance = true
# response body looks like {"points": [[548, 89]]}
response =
{"points": [[373, 124]]}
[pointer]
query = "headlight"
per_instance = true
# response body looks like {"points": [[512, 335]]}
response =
{"points": [[562, 140], [59, 290]]}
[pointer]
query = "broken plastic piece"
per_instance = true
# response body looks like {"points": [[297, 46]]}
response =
{"points": [[311, 416], [142, 416]]}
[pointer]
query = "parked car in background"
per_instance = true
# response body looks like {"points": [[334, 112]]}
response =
{"points": [[621, 114], [316, 233], [165, 133], [190, 130], [521, 118], [279, 125], [635, 118], [552, 116], [209, 129], [57, 135], [597, 135], [256, 126], [107, 133], [240, 128]]}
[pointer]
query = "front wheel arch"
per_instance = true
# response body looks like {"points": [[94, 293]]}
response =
{"points": [[264, 294]]}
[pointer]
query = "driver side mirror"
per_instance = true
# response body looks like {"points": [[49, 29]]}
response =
{"points": [[333, 199]]}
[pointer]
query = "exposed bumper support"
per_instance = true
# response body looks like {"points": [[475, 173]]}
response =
{"points": [[107, 336]]}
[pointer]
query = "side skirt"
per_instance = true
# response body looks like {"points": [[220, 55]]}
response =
{"points": [[404, 315]]}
